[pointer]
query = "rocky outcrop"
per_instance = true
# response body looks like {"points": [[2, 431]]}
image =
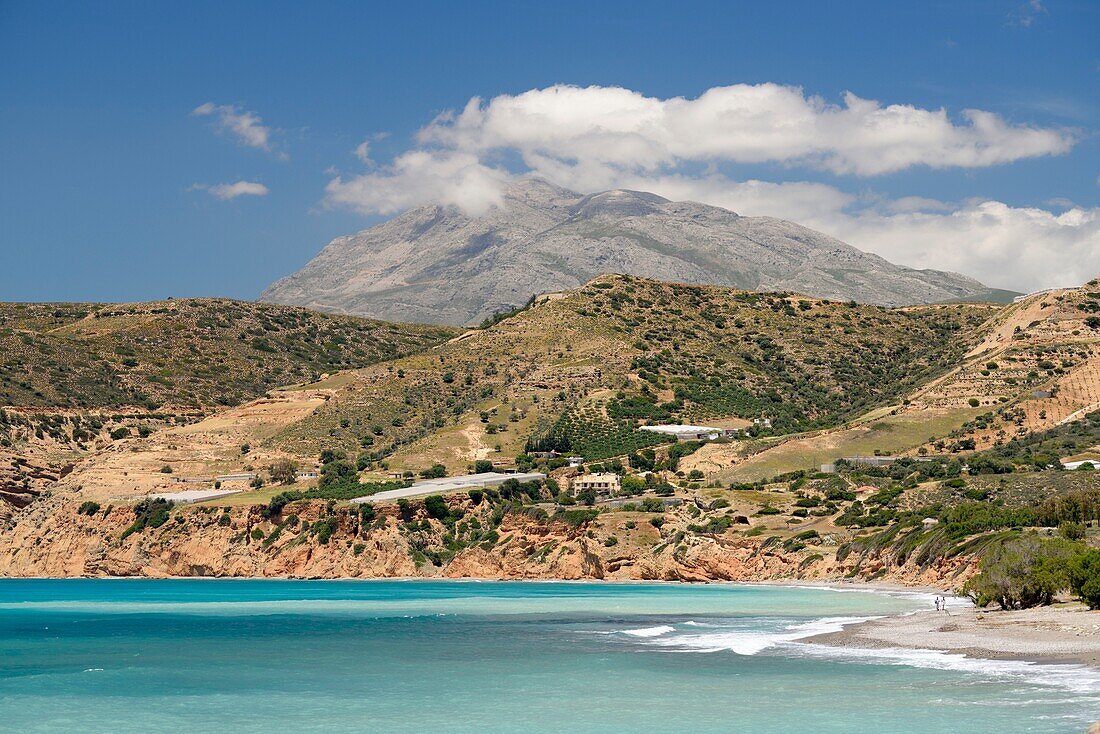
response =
{"points": [[436, 264]]}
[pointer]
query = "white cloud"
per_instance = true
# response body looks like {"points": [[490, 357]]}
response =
{"points": [[228, 191], [246, 127], [1026, 15], [1018, 248], [419, 177], [598, 138], [362, 152], [743, 123]]}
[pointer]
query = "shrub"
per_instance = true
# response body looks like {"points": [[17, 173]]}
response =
{"points": [[483, 466], [436, 507], [324, 528], [336, 472], [257, 534], [367, 512], [88, 508], [1072, 530], [611, 541], [437, 471], [166, 469], [151, 513]]}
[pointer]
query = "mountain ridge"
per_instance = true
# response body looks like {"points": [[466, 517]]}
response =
{"points": [[435, 264]]}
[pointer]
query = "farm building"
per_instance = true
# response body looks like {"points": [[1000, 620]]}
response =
{"points": [[693, 433]]}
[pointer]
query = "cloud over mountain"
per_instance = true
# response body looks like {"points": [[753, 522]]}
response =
{"points": [[597, 138]]}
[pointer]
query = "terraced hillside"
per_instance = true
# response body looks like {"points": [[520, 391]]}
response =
{"points": [[192, 352]]}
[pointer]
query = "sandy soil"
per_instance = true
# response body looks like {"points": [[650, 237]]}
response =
{"points": [[1064, 633]]}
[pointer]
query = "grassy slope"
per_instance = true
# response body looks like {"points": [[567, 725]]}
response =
{"points": [[191, 352]]}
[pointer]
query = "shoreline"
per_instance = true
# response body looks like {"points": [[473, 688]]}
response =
{"points": [[1065, 633]]}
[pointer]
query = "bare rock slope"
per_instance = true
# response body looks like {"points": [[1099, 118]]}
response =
{"points": [[436, 264]]}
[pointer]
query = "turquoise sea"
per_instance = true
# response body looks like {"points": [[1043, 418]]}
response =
{"points": [[426, 656]]}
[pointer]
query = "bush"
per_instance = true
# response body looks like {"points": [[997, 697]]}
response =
{"points": [[437, 471], [88, 508], [436, 507], [483, 466], [336, 472], [148, 514], [1083, 571], [1072, 530], [257, 534], [367, 512], [166, 469]]}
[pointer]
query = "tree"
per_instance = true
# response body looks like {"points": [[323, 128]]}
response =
{"points": [[1084, 576], [284, 471], [337, 472], [482, 466], [1021, 573]]}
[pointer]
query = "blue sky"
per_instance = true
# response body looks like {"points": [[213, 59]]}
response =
{"points": [[109, 179]]}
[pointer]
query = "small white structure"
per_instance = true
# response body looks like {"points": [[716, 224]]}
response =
{"points": [[308, 475], [764, 422], [929, 523], [693, 433], [574, 461], [603, 484]]}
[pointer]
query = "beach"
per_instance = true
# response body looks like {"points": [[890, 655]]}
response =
{"points": [[1060, 633]]}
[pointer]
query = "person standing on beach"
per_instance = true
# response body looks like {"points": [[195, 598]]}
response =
{"points": [[937, 603]]}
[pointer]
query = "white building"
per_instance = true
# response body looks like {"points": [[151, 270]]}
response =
{"points": [[601, 484]]}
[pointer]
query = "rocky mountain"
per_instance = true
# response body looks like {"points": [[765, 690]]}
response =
{"points": [[436, 264]]}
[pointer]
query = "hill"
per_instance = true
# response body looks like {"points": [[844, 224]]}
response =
{"points": [[438, 265], [583, 370], [190, 352], [580, 371]]}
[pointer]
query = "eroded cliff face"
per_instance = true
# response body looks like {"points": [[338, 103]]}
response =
{"points": [[316, 540]]}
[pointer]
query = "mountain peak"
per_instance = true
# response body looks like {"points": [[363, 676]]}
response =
{"points": [[621, 203], [433, 268]]}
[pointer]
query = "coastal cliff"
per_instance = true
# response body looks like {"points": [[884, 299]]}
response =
{"points": [[313, 539]]}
